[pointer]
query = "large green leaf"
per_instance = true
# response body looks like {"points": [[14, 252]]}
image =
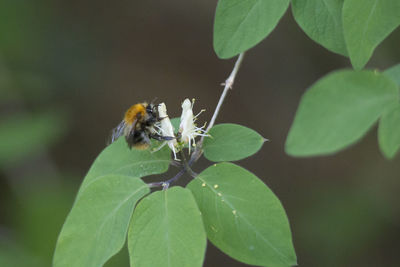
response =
{"points": [[97, 225], [230, 142], [118, 159], [241, 24], [389, 132], [338, 110], [98, 222], [167, 230], [321, 20], [394, 73], [243, 217], [366, 24]]}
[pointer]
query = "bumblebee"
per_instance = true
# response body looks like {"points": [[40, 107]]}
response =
{"points": [[139, 126]]}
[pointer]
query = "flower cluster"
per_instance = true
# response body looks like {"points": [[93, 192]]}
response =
{"points": [[188, 129]]}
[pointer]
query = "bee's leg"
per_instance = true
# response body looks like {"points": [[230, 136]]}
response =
{"points": [[161, 137]]}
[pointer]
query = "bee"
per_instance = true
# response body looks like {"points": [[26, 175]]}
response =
{"points": [[139, 126]]}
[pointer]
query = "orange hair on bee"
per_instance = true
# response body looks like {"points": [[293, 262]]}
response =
{"points": [[134, 112], [141, 146]]}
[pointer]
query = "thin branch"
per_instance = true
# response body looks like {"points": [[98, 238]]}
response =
{"points": [[197, 153], [228, 85], [187, 165], [166, 184]]}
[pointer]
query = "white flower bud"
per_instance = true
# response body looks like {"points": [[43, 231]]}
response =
{"points": [[166, 128], [187, 128]]}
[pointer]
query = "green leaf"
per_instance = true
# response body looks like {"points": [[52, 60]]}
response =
{"points": [[389, 132], [167, 230], [175, 123], [118, 159], [241, 24], [394, 73], [338, 110], [22, 135], [366, 24], [97, 225], [229, 142], [243, 217], [321, 20]]}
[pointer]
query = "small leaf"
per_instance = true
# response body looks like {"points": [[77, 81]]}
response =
{"points": [[167, 230], [338, 110], [366, 24], [389, 133], [229, 142], [321, 20], [394, 73], [97, 225], [243, 217], [118, 159], [241, 24]]}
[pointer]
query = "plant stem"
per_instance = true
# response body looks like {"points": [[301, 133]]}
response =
{"points": [[198, 152], [228, 85], [186, 165]]}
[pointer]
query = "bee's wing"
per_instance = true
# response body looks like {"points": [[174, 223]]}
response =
{"points": [[117, 132]]}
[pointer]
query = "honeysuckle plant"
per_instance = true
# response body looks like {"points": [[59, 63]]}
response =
{"points": [[168, 225]]}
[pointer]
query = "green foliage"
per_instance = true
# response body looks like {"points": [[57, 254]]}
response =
{"points": [[167, 230], [389, 132], [242, 216], [322, 22], [118, 160], [241, 24], [97, 225], [175, 123], [22, 135], [366, 24], [394, 73], [230, 142], [98, 222], [338, 110]]}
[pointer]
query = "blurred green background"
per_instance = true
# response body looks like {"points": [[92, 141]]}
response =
{"points": [[69, 69]]}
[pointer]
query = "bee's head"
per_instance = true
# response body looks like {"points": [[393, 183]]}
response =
{"points": [[151, 108]]}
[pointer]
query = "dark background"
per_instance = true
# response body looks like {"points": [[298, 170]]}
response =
{"points": [[69, 69]]}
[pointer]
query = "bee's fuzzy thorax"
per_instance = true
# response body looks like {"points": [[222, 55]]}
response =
{"points": [[133, 112]]}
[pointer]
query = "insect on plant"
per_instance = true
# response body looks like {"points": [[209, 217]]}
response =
{"points": [[224, 203]]}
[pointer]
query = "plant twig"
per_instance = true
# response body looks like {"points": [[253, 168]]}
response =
{"points": [[197, 153], [227, 85], [186, 165]]}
